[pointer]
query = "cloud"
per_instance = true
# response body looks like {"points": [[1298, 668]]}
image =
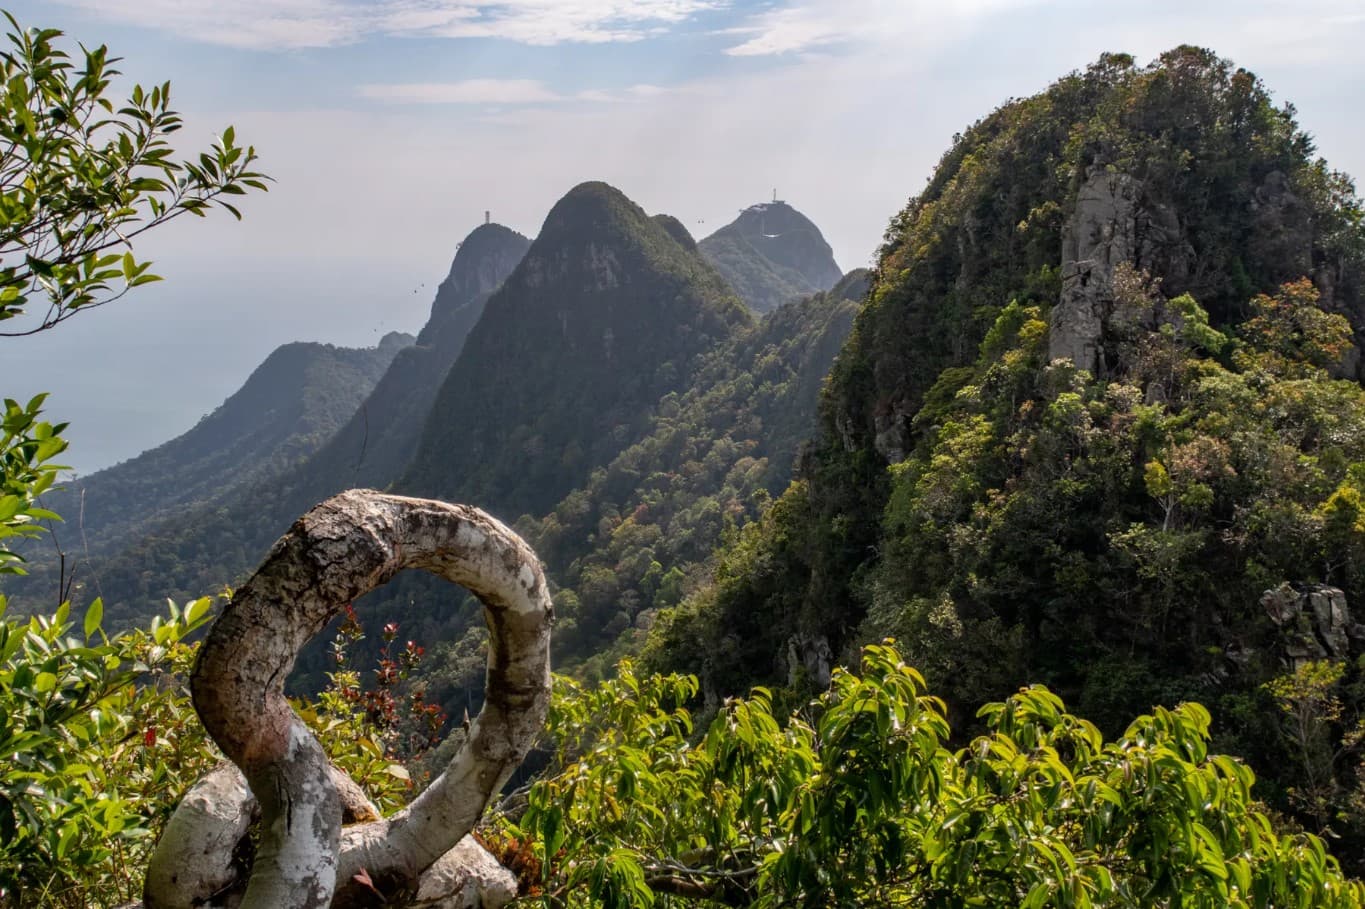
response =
{"points": [[468, 91], [274, 24], [500, 92], [291, 24], [544, 22], [810, 25]]}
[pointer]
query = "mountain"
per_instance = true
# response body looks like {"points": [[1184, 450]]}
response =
{"points": [[606, 314], [206, 544], [1100, 426], [610, 319], [771, 254], [483, 261], [640, 532], [1108, 530], [374, 446], [288, 407]]}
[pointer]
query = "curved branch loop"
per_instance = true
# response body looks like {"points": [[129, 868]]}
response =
{"points": [[338, 551]]}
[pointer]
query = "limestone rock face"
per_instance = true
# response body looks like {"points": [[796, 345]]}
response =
{"points": [[890, 441], [482, 262], [1282, 230], [810, 660], [1101, 233], [1314, 621]]}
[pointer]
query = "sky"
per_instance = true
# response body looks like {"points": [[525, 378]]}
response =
{"points": [[390, 127]]}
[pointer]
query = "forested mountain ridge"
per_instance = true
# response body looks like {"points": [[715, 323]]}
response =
{"points": [[638, 533], [771, 254], [1148, 528], [374, 446], [287, 408], [1146, 502], [600, 270], [210, 543], [607, 313]]}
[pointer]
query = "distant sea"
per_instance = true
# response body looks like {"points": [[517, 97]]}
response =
{"points": [[142, 370]]}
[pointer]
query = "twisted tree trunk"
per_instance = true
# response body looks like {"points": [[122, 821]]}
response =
{"points": [[340, 550]]}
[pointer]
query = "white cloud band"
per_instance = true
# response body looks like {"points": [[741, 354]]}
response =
{"points": [[285, 24]]}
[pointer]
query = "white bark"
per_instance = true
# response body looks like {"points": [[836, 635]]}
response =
{"points": [[199, 860], [340, 550], [195, 860]]}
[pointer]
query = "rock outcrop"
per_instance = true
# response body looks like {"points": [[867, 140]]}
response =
{"points": [[1315, 623], [810, 661], [1100, 234]]}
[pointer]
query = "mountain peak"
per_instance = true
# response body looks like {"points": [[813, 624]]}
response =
{"points": [[596, 237], [607, 312], [771, 254], [677, 231], [592, 209], [483, 260], [395, 340]]}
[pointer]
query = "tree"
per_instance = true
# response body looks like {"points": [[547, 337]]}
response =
{"points": [[80, 180], [99, 740], [336, 553], [28, 446], [856, 799]]}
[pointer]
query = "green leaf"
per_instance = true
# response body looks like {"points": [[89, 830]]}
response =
{"points": [[9, 506], [93, 616], [197, 610]]}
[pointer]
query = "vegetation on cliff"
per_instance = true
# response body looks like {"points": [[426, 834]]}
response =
{"points": [[1109, 532], [1097, 433]]}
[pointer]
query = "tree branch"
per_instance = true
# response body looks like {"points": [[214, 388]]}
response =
{"points": [[339, 551]]}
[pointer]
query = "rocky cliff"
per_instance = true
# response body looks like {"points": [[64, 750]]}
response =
{"points": [[1182, 173]]}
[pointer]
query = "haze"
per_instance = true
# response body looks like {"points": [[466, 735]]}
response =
{"points": [[391, 127]]}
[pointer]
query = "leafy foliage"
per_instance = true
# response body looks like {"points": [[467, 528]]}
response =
{"points": [[27, 447], [99, 739], [80, 179], [856, 799], [1321, 741]]}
